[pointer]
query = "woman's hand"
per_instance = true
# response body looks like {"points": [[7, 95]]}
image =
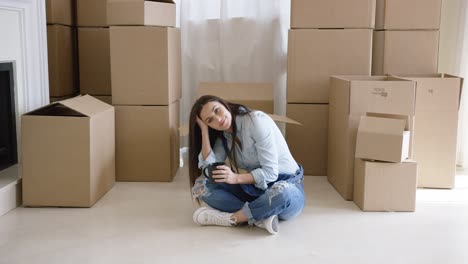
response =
{"points": [[225, 174], [203, 126]]}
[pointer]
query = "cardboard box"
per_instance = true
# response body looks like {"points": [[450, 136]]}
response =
{"points": [[147, 142], [91, 13], [408, 14], [350, 98], [94, 55], [436, 124], [68, 152], [258, 96], [314, 55], [405, 52], [145, 65], [383, 186], [60, 12], [62, 60], [141, 13], [332, 14], [105, 99], [383, 138], [308, 143]]}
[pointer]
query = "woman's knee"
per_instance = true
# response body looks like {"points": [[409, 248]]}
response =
{"points": [[286, 192]]}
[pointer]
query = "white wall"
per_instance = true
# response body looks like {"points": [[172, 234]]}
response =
{"points": [[449, 34]]}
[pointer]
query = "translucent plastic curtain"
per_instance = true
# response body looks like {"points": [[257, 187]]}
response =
{"points": [[233, 41]]}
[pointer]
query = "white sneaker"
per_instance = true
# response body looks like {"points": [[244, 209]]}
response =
{"points": [[208, 216], [271, 224]]}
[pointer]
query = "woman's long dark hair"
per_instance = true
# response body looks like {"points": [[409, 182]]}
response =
{"points": [[195, 138]]}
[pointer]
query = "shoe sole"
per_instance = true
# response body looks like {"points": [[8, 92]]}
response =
{"points": [[274, 223], [197, 213]]}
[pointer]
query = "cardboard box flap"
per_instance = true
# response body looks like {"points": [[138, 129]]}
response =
{"points": [[184, 129], [433, 91], [388, 126], [86, 105], [237, 91], [55, 109], [389, 95]]}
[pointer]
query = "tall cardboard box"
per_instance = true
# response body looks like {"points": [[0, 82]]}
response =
{"points": [[436, 124], [405, 52], [91, 13], [258, 96], [145, 65], [60, 12], [385, 186], [147, 142], [94, 56], [350, 98], [308, 143], [384, 138], [408, 14], [314, 55], [62, 60], [141, 13], [68, 151], [332, 14]]}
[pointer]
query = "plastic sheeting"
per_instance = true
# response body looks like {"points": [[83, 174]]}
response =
{"points": [[233, 41]]}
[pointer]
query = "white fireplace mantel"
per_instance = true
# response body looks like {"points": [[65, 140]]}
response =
{"points": [[23, 42]]}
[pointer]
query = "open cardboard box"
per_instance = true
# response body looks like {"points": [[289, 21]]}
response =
{"points": [[383, 138]]}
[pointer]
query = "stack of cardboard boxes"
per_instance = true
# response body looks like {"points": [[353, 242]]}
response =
{"points": [[327, 37], [146, 88], [406, 40], [61, 45], [94, 49], [384, 177], [352, 97]]}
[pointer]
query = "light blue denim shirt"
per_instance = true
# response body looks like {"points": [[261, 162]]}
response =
{"points": [[264, 153]]}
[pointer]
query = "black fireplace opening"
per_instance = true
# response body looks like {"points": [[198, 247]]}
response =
{"points": [[8, 144]]}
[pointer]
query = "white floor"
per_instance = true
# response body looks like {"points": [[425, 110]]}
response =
{"points": [[152, 223]]}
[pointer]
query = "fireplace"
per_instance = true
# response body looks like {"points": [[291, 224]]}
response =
{"points": [[23, 42], [8, 144]]}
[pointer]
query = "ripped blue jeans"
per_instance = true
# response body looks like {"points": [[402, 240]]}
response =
{"points": [[284, 198]]}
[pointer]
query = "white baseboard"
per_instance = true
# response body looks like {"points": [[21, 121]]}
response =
{"points": [[10, 197]]}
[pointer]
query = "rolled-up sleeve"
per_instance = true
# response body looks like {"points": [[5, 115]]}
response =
{"points": [[265, 143], [217, 153]]}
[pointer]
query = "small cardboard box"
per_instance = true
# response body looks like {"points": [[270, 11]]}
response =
{"points": [[383, 139], [257, 96], [308, 143], [314, 55], [332, 14], [384, 186], [408, 14], [62, 60], [60, 12], [436, 124], [141, 13], [91, 13], [405, 52], [68, 152], [147, 142], [145, 65], [94, 55], [350, 98]]}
